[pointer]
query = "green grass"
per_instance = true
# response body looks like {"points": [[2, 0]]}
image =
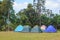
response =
{"points": [[29, 36]]}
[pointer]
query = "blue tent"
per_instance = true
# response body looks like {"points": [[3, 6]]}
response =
{"points": [[36, 29], [19, 28], [50, 29], [26, 29]]}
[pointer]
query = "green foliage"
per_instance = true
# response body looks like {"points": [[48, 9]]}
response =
{"points": [[28, 16], [6, 12]]}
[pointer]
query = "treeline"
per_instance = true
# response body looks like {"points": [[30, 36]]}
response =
{"points": [[28, 16]]}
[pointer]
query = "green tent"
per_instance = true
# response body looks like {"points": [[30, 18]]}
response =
{"points": [[36, 29], [26, 28]]}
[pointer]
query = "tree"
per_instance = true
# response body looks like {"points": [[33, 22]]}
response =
{"points": [[1, 16], [57, 21], [28, 16], [6, 10]]}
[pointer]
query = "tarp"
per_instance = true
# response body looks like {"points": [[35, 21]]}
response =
{"points": [[51, 29], [26, 29], [19, 28], [36, 29]]}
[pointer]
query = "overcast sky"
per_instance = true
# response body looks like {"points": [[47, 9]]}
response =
{"points": [[50, 4]]}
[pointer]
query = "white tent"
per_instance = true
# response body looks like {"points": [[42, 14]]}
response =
{"points": [[43, 27]]}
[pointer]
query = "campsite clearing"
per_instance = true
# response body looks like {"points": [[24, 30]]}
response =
{"points": [[29, 36]]}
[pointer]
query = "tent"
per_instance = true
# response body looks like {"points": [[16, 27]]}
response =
{"points": [[51, 29], [43, 28], [36, 29], [19, 28], [26, 29]]}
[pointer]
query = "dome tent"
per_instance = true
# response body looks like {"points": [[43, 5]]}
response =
{"points": [[26, 29], [51, 29], [43, 28], [19, 28], [36, 29]]}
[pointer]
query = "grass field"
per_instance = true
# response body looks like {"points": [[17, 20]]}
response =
{"points": [[29, 36]]}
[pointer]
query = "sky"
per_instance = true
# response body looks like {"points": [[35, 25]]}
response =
{"points": [[53, 5]]}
